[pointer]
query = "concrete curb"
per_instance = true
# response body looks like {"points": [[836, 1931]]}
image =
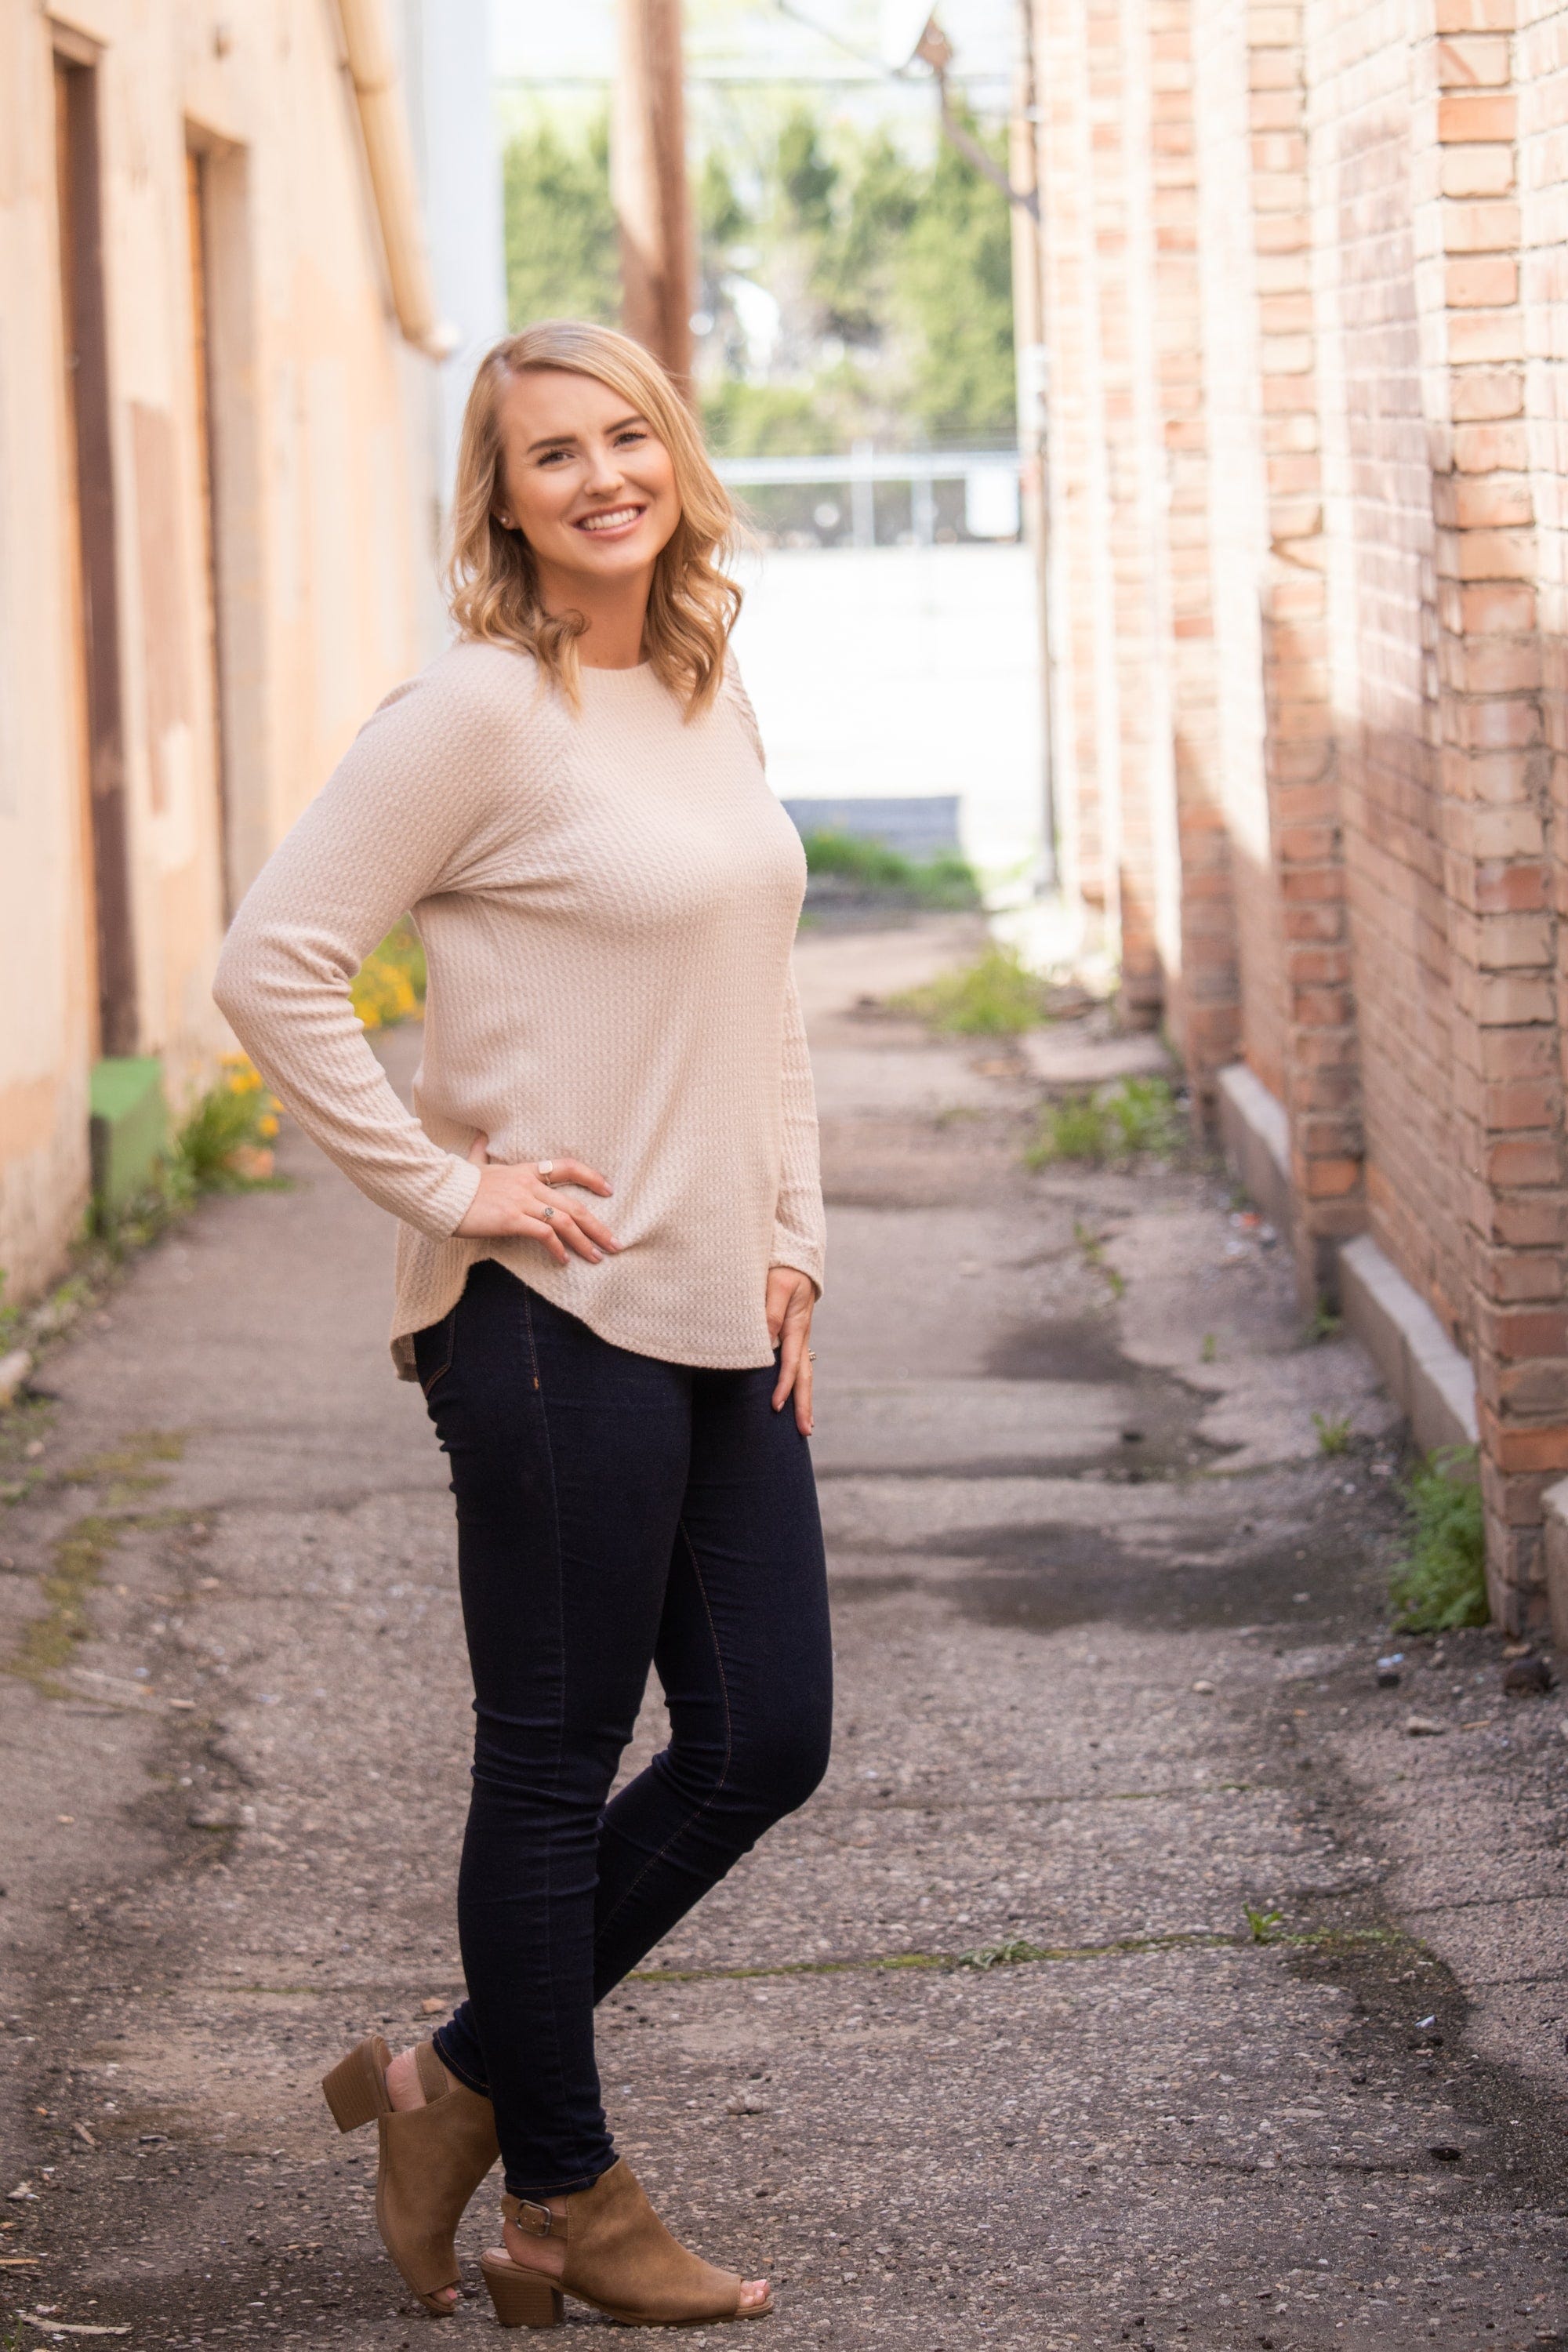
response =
{"points": [[13, 1371], [1255, 1134], [1555, 1530], [1424, 1369], [1425, 1374]]}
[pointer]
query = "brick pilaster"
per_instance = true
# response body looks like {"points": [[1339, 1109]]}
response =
{"points": [[1197, 934], [1321, 1075], [1495, 781]]}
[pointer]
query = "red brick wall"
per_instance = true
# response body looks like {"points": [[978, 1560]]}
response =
{"points": [[1308, 305], [1229, 83], [1381, 540]]}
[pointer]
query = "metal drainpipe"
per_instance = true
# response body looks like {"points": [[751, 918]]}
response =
{"points": [[389, 154], [1034, 425]]}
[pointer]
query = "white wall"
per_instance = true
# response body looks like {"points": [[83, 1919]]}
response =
{"points": [[902, 670]]}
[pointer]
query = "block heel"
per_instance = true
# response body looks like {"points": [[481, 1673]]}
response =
{"points": [[430, 2160], [355, 2090], [521, 2298]]}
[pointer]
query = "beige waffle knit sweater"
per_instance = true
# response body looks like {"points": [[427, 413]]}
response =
{"points": [[608, 901]]}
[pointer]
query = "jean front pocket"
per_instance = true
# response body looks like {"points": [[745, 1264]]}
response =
{"points": [[433, 1352]]}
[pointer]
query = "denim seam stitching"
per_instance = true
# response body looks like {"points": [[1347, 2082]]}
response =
{"points": [[438, 2045], [697, 1810], [438, 1376], [526, 1305]]}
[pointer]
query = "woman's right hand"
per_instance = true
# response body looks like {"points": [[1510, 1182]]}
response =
{"points": [[514, 1198]]}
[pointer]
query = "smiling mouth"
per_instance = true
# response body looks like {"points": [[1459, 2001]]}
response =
{"points": [[613, 519]]}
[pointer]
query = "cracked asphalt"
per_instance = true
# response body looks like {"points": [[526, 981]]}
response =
{"points": [[1136, 1978]]}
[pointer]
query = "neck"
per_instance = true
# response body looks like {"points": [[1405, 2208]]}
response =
{"points": [[615, 610]]}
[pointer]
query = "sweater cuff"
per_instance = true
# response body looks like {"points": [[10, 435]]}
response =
{"points": [[453, 1198], [801, 1257]]}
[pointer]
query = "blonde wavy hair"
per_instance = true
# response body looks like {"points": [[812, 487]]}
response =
{"points": [[492, 580]]}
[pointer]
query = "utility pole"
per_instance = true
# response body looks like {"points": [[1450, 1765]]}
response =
{"points": [[648, 181], [1029, 345]]}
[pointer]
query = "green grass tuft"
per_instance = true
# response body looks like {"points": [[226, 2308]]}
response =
{"points": [[1125, 1121], [1442, 1584], [945, 881], [996, 996], [1334, 1432]]}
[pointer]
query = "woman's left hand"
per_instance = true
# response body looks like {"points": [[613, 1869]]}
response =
{"points": [[791, 1301]]}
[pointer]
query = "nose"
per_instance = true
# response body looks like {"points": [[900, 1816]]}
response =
{"points": [[604, 474]]}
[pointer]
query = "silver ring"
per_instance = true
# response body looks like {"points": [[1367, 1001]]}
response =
{"points": [[810, 1355], [547, 1215], [546, 1170]]}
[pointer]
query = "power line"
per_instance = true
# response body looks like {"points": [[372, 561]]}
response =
{"points": [[738, 79]]}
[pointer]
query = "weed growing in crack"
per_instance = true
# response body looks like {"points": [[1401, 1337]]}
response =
{"points": [[1322, 1323], [1134, 1118], [1334, 1432], [1263, 1927], [996, 996], [48, 1641], [1091, 1249], [1442, 1582]]}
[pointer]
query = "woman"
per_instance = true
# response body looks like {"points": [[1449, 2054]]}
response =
{"points": [[609, 1250]]}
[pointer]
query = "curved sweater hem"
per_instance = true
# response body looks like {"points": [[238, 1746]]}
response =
{"points": [[608, 1328]]}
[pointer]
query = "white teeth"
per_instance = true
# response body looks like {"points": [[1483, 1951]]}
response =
{"points": [[610, 521]]}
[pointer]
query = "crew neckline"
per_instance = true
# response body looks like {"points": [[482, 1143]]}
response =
{"points": [[601, 669]]}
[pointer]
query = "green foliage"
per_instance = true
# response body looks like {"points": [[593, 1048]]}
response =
{"points": [[1263, 1926], [808, 181], [389, 986], [1442, 1582], [946, 880], [895, 276], [1322, 1323], [996, 996], [765, 420], [1334, 1432], [1124, 1121], [563, 247], [225, 1145], [722, 218], [954, 297]]}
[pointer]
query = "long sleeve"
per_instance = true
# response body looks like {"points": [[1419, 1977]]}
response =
{"points": [[799, 1226], [402, 816]]}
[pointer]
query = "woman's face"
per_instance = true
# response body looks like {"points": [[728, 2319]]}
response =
{"points": [[584, 476]]}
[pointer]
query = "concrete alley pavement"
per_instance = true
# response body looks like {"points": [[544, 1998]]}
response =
{"points": [[1136, 1978]]}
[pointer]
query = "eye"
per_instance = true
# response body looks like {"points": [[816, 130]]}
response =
{"points": [[632, 433], [549, 455]]}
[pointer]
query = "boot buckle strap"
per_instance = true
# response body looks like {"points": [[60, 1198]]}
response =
{"points": [[537, 2219]]}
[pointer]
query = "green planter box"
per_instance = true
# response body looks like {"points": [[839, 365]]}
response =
{"points": [[130, 1128]]}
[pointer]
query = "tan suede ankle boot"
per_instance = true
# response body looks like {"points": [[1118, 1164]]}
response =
{"points": [[619, 2257], [431, 2161]]}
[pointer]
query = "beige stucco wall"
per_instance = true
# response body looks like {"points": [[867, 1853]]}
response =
{"points": [[325, 508]]}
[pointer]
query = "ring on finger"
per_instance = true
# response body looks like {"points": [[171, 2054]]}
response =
{"points": [[546, 1170], [810, 1355], [547, 1215]]}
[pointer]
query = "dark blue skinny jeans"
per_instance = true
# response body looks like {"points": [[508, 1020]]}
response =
{"points": [[613, 1512]]}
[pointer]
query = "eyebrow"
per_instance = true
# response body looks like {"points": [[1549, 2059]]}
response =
{"points": [[556, 440]]}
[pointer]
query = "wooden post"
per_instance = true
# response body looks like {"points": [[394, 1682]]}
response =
{"points": [[648, 179]]}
